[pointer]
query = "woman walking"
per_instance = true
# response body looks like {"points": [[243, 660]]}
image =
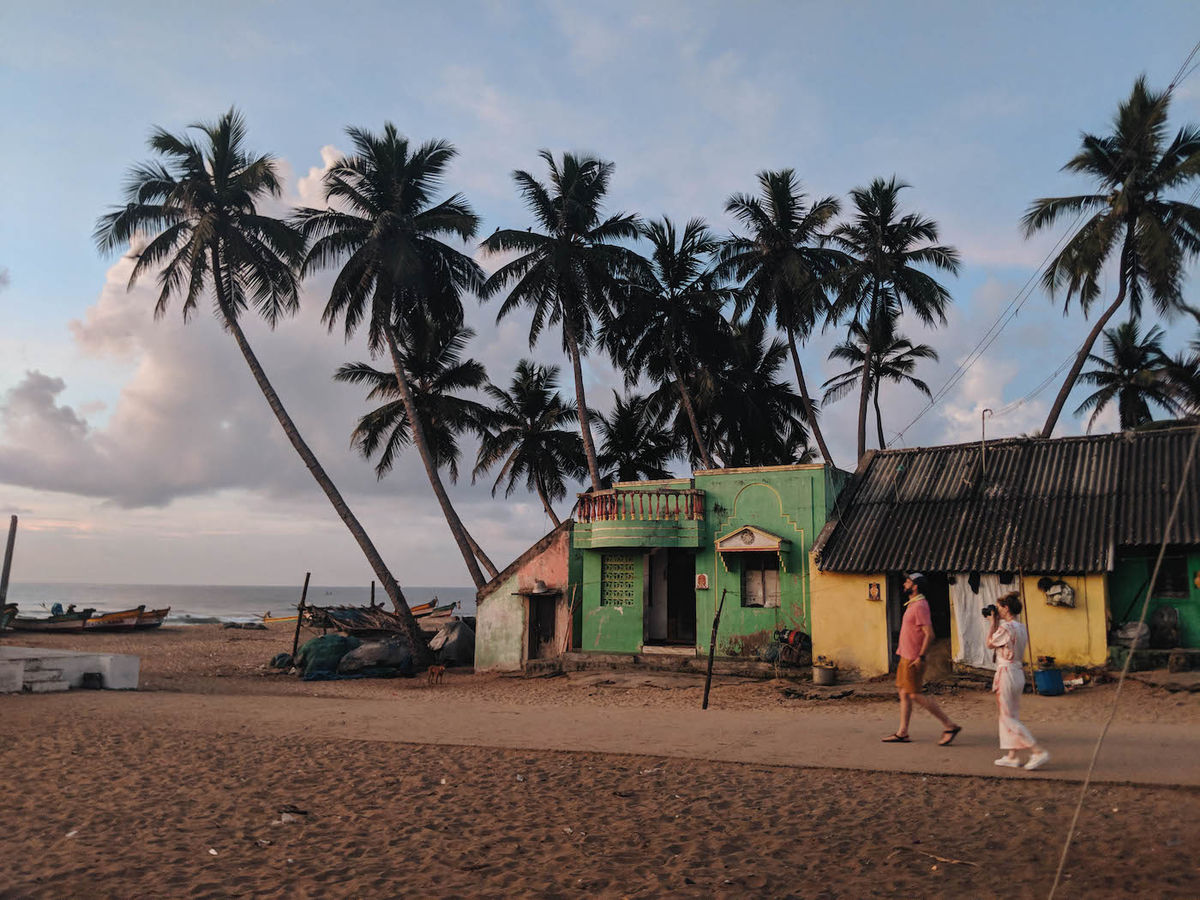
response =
{"points": [[1009, 638]]}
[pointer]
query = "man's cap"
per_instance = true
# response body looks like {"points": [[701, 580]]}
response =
{"points": [[913, 576]]}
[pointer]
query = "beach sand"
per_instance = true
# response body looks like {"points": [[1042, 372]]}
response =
{"points": [[109, 800]]}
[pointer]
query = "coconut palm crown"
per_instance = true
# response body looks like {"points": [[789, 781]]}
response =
{"points": [[1134, 374], [1130, 218]]}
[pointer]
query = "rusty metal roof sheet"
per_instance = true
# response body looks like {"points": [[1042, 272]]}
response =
{"points": [[1060, 505]]}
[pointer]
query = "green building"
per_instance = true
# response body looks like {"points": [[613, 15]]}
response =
{"points": [[657, 557]]}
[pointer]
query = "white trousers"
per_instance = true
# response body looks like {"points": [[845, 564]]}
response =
{"points": [[1008, 685]]}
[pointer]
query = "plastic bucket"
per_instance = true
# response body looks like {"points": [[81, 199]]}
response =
{"points": [[824, 675], [1049, 682]]}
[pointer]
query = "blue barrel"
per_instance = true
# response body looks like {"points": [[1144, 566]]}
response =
{"points": [[1049, 682]]}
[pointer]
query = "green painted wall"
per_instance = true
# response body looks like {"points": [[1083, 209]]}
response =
{"points": [[1127, 587], [607, 626], [791, 503]]}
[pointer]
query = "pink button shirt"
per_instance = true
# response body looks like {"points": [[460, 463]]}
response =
{"points": [[916, 614]]}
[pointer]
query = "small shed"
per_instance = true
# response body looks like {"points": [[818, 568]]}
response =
{"points": [[1072, 523], [525, 612]]}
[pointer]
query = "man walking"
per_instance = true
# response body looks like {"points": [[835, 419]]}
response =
{"points": [[916, 634]]}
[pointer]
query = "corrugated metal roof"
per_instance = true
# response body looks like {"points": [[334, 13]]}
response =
{"points": [[1060, 505]]}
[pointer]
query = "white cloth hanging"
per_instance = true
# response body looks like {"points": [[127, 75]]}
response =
{"points": [[972, 627]]}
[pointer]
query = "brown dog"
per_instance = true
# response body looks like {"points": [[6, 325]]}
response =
{"points": [[434, 674]]}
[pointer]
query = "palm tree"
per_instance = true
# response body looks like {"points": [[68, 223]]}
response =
{"points": [[666, 325], [1134, 374], [886, 249], [636, 443], [566, 273], [784, 266], [385, 228], [883, 355], [197, 206], [1151, 237], [524, 431], [1182, 373], [753, 416], [431, 353]]}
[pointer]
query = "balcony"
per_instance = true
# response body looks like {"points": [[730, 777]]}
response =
{"points": [[639, 517]]}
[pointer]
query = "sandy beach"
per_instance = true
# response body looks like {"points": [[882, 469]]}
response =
{"points": [[219, 779]]}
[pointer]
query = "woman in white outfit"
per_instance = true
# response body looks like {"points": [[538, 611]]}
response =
{"points": [[1009, 639]]}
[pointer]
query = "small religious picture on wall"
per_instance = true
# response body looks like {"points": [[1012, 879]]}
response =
{"points": [[873, 591]]}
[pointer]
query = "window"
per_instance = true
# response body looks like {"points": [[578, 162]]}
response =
{"points": [[1172, 578], [760, 580]]}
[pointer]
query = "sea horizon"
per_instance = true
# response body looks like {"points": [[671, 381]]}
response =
{"points": [[199, 603]]}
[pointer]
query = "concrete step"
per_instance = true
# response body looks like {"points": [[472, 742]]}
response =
{"points": [[34, 676], [46, 687]]}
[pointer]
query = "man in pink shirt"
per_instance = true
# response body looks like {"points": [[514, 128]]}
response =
{"points": [[916, 634]]}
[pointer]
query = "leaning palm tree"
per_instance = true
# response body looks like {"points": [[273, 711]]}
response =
{"points": [[389, 234], [524, 432], [878, 353], [568, 271], [636, 442], [887, 252], [1130, 219], [784, 266], [1134, 374], [666, 325], [197, 209]]}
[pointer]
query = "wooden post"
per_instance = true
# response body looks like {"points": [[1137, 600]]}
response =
{"points": [[8, 554], [300, 616], [372, 593], [712, 648]]}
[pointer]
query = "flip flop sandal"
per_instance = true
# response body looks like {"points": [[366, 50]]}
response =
{"points": [[897, 739], [949, 735]]}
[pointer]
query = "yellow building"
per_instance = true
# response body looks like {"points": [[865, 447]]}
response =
{"points": [[1069, 523]]}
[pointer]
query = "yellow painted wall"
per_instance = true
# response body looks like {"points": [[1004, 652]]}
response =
{"points": [[846, 626], [1073, 636]]}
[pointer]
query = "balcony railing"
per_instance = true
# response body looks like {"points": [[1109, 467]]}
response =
{"points": [[651, 505]]}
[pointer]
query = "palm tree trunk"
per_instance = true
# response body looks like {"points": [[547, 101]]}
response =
{"points": [[480, 555], [866, 387], [878, 415], [809, 409], [435, 479], [585, 428], [1080, 359], [685, 397], [416, 640], [537, 482]]}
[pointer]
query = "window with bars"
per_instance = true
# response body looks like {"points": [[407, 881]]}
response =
{"points": [[760, 580]]}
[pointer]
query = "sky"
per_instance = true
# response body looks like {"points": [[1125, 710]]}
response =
{"points": [[140, 451]]}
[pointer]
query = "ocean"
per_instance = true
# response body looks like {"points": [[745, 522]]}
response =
{"points": [[206, 603]]}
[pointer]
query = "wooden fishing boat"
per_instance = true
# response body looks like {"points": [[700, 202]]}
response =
{"points": [[418, 610], [72, 621], [114, 621], [152, 618]]}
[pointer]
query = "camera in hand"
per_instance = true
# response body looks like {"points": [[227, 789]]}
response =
{"points": [[990, 610]]}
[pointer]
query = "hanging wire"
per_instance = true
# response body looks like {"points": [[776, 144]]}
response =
{"points": [[1162, 550]]}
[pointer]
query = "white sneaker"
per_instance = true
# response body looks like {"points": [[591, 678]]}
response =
{"points": [[1037, 760], [1010, 762]]}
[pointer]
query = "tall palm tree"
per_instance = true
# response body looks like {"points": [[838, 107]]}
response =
{"points": [[666, 325], [636, 443], [568, 271], [524, 431], [431, 353], [197, 206], [753, 416], [1134, 375], [389, 234], [880, 354], [887, 250], [784, 266], [1182, 373], [1130, 219]]}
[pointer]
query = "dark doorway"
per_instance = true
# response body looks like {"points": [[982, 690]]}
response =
{"points": [[681, 596], [543, 609]]}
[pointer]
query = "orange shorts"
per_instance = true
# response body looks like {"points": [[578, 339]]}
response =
{"points": [[909, 675]]}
